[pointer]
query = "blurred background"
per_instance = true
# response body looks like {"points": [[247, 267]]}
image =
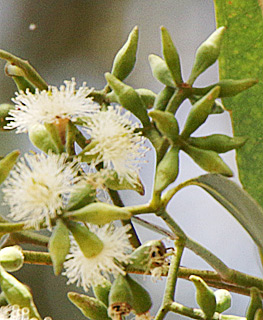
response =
{"points": [[79, 38]]}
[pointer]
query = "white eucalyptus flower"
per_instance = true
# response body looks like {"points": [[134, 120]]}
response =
{"points": [[92, 271], [38, 187], [14, 312], [49, 106], [117, 144]]}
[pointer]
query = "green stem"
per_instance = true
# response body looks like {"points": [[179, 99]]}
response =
{"points": [[29, 72], [36, 257], [70, 139], [30, 237], [139, 209], [171, 224], [11, 227]]}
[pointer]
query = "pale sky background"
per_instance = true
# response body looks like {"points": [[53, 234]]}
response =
{"points": [[79, 38]]}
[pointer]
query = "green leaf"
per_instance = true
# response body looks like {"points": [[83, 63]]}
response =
{"points": [[242, 57], [237, 201]]}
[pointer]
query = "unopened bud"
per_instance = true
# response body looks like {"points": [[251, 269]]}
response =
{"points": [[259, 314], [128, 98], [205, 297], [163, 98], [254, 304], [199, 112], [207, 54], [223, 300], [102, 290], [58, 246], [99, 213], [92, 308], [83, 194], [7, 164], [147, 96], [171, 56], [40, 138], [124, 60], [208, 160], [11, 258], [160, 70]]}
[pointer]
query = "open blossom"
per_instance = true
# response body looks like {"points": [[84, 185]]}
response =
{"points": [[92, 271], [14, 312], [38, 187], [50, 105], [116, 143]]}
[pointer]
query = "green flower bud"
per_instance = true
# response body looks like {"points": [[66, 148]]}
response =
{"points": [[223, 300], [58, 246], [40, 138], [5, 108], [18, 76], [148, 256], [208, 160], [199, 112], [171, 56], [11, 258], [120, 298], [217, 108], [259, 314], [89, 243], [7, 163], [113, 182], [166, 124], [84, 193], [163, 98], [147, 96], [207, 54], [228, 88], [255, 303], [102, 291], [167, 170], [124, 60], [219, 143], [205, 297], [92, 308], [99, 213], [141, 299], [17, 293], [160, 70], [129, 98]]}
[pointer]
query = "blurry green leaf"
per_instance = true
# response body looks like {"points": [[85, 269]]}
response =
{"points": [[237, 201], [242, 57]]}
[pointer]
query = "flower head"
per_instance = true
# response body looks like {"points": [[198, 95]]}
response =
{"points": [[14, 312], [50, 106], [38, 187], [117, 144], [92, 271]]}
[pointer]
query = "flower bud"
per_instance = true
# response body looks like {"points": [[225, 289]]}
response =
{"points": [[148, 256], [120, 298], [58, 246], [160, 70], [124, 60], [99, 213], [219, 143], [147, 96], [17, 293], [199, 112], [171, 56], [207, 54], [89, 243], [40, 138], [208, 160], [102, 290], [259, 314], [167, 170], [113, 182], [7, 163], [163, 98], [5, 108], [128, 98], [18, 76], [83, 194], [255, 303], [223, 300], [141, 299], [166, 124], [92, 308], [11, 258], [205, 297]]}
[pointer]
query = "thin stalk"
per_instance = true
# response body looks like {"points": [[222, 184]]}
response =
{"points": [[33, 257], [30, 237], [29, 72]]}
